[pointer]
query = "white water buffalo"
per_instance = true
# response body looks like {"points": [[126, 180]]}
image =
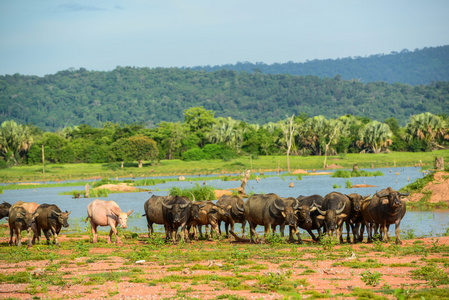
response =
{"points": [[106, 213]]}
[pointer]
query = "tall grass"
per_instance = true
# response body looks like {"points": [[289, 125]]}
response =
{"points": [[358, 173], [201, 193]]}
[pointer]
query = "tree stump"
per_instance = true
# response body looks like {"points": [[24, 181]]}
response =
{"points": [[86, 194], [355, 167], [245, 179], [439, 163]]}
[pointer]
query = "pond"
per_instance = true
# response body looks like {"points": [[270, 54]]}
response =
{"points": [[431, 223]]}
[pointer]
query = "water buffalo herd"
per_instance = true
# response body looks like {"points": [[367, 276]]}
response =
{"points": [[183, 218]]}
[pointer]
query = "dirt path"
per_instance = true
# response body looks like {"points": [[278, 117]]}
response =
{"points": [[147, 269]]}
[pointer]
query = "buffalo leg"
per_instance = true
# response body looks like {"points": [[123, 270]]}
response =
{"points": [[36, 233], [398, 240], [253, 234], [243, 228], [11, 233], [348, 236], [314, 238]]}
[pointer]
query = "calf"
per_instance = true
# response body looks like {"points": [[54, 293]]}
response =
{"points": [[234, 206], [20, 219]]}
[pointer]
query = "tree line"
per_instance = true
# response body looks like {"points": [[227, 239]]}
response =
{"points": [[201, 135], [151, 96]]}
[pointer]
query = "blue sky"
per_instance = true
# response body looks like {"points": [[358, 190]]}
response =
{"points": [[46, 36]]}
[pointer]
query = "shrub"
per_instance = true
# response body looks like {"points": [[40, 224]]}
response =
{"points": [[193, 154]]}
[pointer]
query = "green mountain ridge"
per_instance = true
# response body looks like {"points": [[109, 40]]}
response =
{"points": [[421, 66], [149, 96]]}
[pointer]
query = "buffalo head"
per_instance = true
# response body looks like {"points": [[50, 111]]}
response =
{"points": [[62, 217], [394, 197]]}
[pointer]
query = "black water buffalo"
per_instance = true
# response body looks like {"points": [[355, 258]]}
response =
{"points": [[153, 212], [235, 207], [208, 214], [176, 213], [20, 219], [356, 217], [335, 211], [267, 210], [308, 215], [359, 221], [384, 209], [292, 208], [50, 219], [4, 209]]}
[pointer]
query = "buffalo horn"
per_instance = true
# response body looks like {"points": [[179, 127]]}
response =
{"points": [[322, 212], [241, 209], [167, 205], [69, 212], [314, 204], [193, 197], [56, 213], [296, 205], [405, 194], [339, 211], [277, 206], [384, 194], [184, 205], [130, 212]]}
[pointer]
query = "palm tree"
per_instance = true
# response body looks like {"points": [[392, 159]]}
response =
{"points": [[227, 131], [426, 126], [15, 139], [376, 135], [312, 133]]}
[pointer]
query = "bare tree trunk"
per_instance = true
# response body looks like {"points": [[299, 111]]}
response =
{"points": [[439, 163], [139, 163], [86, 194], [43, 164], [245, 179], [122, 164]]}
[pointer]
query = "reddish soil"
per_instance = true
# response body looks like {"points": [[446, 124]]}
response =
{"points": [[324, 276], [439, 188]]}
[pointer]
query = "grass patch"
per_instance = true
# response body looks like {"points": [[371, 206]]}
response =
{"points": [[357, 173]]}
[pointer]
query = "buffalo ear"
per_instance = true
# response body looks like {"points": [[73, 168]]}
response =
{"points": [[343, 216], [321, 217], [130, 211], [229, 207], [283, 214], [35, 215], [313, 208]]}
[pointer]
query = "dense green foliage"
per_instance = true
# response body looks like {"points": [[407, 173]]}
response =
{"points": [[421, 66], [151, 96], [202, 136]]}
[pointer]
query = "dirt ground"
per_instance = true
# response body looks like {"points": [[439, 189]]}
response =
{"points": [[312, 269], [439, 188]]}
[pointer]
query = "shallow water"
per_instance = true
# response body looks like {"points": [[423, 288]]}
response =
{"points": [[432, 223]]}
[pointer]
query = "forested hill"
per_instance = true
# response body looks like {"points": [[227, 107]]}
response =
{"points": [[412, 67], [128, 95]]}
